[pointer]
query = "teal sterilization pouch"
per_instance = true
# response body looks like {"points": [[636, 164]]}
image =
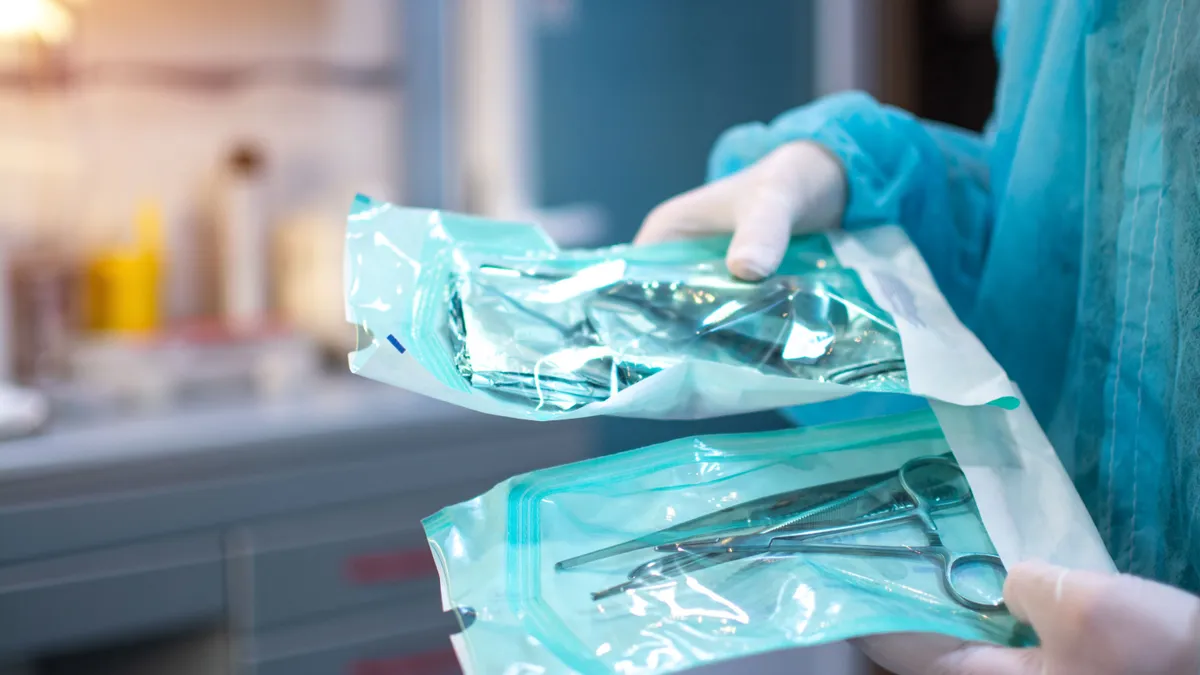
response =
{"points": [[711, 548], [492, 316]]}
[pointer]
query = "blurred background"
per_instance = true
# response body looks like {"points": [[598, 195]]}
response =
{"points": [[190, 482]]}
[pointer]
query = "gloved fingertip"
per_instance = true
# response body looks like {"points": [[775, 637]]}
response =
{"points": [[1033, 581], [751, 266], [1033, 573]]}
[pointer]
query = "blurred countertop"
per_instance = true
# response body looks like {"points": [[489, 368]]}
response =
{"points": [[339, 404]]}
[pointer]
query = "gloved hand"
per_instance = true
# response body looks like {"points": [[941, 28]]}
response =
{"points": [[798, 187], [1088, 624]]}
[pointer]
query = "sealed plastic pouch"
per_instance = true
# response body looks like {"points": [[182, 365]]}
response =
{"points": [[711, 548], [492, 316]]}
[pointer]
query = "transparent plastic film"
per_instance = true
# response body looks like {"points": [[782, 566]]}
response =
{"points": [[492, 316], [707, 549], [557, 335]]}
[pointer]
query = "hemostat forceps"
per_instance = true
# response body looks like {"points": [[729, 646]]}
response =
{"points": [[922, 505]]}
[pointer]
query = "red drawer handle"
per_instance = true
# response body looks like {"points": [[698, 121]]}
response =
{"points": [[429, 663], [390, 566]]}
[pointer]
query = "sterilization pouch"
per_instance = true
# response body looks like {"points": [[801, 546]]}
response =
{"points": [[710, 548], [492, 316]]}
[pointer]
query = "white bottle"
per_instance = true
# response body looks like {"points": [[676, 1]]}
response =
{"points": [[308, 281], [242, 242]]}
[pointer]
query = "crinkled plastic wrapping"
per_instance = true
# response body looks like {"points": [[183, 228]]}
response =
{"points": [[499, 555], [492, 316]]}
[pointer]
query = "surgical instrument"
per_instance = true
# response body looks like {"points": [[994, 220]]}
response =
{"points": [[783, 509], [921, 509], [670, 565], [590, 333]]}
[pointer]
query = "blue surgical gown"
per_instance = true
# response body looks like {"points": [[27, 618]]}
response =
{"points": [[1067, 236]]}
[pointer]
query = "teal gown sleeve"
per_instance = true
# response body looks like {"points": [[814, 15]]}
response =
{"points": [[931, 179]]}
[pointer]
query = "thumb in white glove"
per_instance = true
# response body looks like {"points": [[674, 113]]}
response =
{"points": [[1088, 624], [797, 188]]}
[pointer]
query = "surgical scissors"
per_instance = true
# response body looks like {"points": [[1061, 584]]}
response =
{"points": [[771, 513], [922, 509]]}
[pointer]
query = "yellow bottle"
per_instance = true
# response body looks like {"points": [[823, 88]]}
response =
{"points": [[123, 283]]}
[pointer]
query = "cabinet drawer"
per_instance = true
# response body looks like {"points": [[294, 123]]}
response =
{"points": [[391, 641], [110, 594], [312, 564], [289, 585]]}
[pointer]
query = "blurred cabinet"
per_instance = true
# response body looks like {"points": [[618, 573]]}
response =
{"points": [[629, 96], [397, 640], [108, 594], [312, 565], [273, 541]]}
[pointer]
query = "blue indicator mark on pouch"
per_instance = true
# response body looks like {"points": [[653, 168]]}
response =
{"points": [[396, 343]]}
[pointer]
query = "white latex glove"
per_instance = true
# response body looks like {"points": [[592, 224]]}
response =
{"points": [[1088, 624], [798, 187]]}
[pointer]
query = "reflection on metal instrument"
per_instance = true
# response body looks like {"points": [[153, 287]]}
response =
{"points": [[561, 340]]}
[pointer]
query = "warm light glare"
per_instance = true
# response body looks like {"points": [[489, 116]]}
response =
{"points": [[46, 20]]}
